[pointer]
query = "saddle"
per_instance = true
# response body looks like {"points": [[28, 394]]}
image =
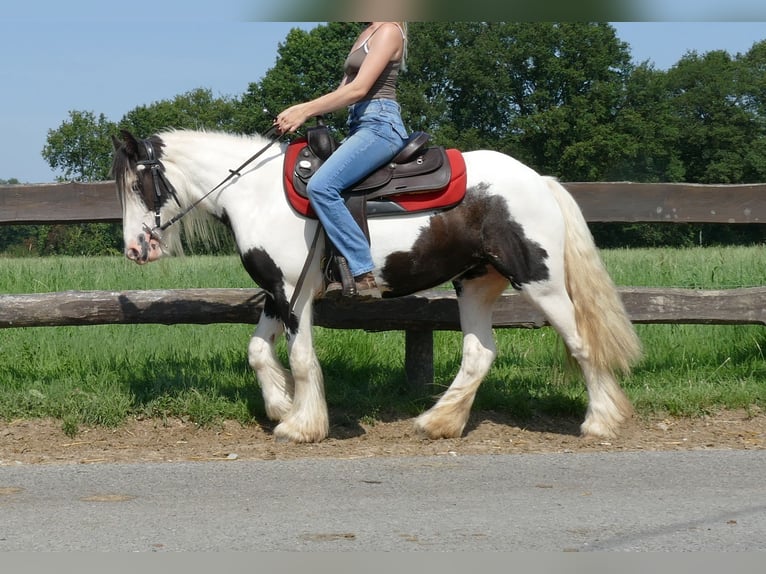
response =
{"points": [[419, 178]]}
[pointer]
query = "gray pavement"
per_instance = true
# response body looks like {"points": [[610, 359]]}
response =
{"points": [[680, 501]]}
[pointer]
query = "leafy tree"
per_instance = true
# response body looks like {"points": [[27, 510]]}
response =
{"points": [[547, 93], [751, 77], [569, 90], [651, 129], [715, 125], [562, 97], [80, 147], [196, 109]]}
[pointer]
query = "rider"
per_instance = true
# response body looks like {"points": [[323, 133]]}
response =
{"points": [[376, 135]]}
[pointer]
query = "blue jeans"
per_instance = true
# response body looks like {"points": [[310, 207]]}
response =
{"points": [[376, 135]]}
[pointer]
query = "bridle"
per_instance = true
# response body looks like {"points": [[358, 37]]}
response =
{"points": [[161, 185], [163, 188]]}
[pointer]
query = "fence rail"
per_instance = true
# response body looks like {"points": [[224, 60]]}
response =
{"points": [[417, 315], [603, 202], [434, 310]]}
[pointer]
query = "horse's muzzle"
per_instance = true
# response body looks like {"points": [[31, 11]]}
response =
{"points": [[144, 249]]}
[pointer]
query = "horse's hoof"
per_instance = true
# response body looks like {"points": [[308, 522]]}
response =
{"points": [[281, 439], [435, 432], [593, 430], [283, 433]]}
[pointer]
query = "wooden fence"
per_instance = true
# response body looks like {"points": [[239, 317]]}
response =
{"points": [[417, 315]]}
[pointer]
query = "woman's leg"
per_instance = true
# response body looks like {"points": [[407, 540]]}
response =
{"points": [[376, 137]]}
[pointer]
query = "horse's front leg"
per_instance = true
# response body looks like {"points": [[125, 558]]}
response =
{"points": [[308, 421], [276, 382]]}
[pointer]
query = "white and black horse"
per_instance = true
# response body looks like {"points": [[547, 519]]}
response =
{"points": [[514, 227]]}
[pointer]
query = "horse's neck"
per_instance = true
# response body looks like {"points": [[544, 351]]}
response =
{"points": [[209, 165], [253, 203]]}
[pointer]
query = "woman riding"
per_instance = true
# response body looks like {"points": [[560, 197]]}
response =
{"points": [[376, 134]]}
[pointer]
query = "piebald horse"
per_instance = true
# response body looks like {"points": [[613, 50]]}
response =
{"points": [[514, 227]]}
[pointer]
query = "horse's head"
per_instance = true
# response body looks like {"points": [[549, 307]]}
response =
{"points": [[144, 192]]}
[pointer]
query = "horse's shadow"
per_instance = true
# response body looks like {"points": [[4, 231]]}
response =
{"points": [[351, 400], [344, 426], [498, 402]]}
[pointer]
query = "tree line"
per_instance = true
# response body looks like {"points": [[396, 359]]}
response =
{"points": [[564, 98]]}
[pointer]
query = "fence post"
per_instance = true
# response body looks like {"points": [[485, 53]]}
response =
{"points": [[419, 359]]}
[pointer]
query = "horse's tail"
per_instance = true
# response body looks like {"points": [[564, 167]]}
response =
{"points": [[601, 318]]}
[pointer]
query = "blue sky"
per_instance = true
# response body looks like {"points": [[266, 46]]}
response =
{"points": [[113, 61]]}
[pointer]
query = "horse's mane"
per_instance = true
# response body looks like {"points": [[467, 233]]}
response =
{"points": [[198, 227]]}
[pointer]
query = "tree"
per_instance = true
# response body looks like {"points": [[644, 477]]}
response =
{"points": [[569, 90], [647, 119], [80, 147], [561, 97], [710, 105], [547, 93], [196, 109], [751, 75]]}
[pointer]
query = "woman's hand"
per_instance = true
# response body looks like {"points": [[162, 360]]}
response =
{"points": [[291, 119]]}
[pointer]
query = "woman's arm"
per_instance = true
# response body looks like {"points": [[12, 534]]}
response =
{"points": [[385, 46]]}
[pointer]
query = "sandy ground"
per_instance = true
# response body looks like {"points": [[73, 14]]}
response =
{"points": [[44, 442]]}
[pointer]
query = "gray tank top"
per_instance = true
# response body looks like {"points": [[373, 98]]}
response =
{"points": [[385, 85]]}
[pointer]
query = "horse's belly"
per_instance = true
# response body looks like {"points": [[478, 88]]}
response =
{"points": [[391, 234]]}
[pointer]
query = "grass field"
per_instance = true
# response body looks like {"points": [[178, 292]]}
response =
{"points": [[104, 374]]}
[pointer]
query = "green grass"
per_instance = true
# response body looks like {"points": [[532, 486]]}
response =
{"points": [[101, 375]]}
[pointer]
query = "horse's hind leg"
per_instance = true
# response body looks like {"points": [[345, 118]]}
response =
{"points": [[608, 407], [276, 382], [448, 417]]}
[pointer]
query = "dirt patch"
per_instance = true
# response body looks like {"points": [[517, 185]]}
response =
{"points": [[44, 442]]}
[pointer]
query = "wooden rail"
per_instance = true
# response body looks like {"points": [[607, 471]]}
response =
{"points": [[431, 310], [603, 202]]}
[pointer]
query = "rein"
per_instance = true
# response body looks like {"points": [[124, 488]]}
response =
{"points": [[158, 177]]}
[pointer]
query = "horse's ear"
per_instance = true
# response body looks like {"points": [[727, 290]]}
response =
{"points": [[130, 142], [116, 143]]}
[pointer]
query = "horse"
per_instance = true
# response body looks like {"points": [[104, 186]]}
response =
{"points": [[514, 227]]}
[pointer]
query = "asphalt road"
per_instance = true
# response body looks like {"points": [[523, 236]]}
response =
{"points": [[680, 501]]}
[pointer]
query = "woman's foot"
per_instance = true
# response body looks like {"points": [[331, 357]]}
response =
{"points": [[365, 287]]}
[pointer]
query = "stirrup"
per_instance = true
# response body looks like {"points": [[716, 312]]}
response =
{"points": [[346, 279]]}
